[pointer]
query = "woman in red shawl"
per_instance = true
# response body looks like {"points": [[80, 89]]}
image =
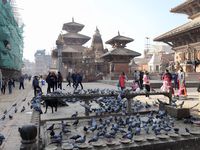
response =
{"points": [[122, 80]]}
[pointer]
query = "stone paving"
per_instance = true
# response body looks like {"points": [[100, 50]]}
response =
{"points": [[9, 127]]}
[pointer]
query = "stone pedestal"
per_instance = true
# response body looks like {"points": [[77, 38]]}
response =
{"points": [[28, 134]]}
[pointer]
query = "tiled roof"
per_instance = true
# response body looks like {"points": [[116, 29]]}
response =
{"points": [[193, 24], [181, 6], [75, 36], [119, 38], [122, 51]]}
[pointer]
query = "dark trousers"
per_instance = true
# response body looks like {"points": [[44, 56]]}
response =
{"points": [[77, 84], [10, 89], [147, 87], [69, 83], [141, 84], [60, 85], [37, 90], [3, 89], [48, 88], [21, 85]]}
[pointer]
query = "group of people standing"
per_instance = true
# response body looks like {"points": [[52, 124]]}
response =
{"points": [[54, 81], [141, 81], [179, 82]]}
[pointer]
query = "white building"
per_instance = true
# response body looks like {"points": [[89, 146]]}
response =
{"points": [[42, 62]]}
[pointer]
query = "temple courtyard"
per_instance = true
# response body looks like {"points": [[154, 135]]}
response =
{"points": [[21, 98]]}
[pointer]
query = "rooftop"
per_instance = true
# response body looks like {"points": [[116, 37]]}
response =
{"points": [[193, 24], [73, 26], [122, 51], [119, 39]]}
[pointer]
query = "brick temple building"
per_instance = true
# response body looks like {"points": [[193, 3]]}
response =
{"points": [[119, 57], [71, 46], [93, 62], [185, 39]]}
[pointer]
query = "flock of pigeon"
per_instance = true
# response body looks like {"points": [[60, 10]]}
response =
{"points": [[112, 128], [10, 113]]}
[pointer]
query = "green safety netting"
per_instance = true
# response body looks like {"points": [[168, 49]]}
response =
{"points": [[11, 39]]}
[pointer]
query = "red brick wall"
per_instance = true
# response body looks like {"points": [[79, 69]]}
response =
{"points": [[118, 68]]}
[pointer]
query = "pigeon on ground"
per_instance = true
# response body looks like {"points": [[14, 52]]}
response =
{"points": [[10, 116], [15, 110], [51, 127], [3, 117], [23, 109], [74, 115]]}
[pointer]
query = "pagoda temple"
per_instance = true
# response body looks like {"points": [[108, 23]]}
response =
{"points": [[71, 45], [97, 67], [185, 39], [119, 57]]}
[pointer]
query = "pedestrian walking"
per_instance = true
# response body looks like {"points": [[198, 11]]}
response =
{"points": [[74, 79], [69, 79], [10, 85], [175, 80], [21, 82], [122, 81], [167, 82], [48, 83], [181, 83], [141, 80], [136, 77], [146, 83], [59, 80], [13, 83], [35, 85], [3, 86], [79, 79]]}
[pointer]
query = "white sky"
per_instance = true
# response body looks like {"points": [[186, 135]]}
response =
{"points": [[137, 19]]}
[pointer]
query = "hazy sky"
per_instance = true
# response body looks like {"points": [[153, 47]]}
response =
{"points": [[137, 19]]}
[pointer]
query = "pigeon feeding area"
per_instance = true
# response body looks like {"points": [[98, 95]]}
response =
{"points": [[113, 121], [154, 130]]}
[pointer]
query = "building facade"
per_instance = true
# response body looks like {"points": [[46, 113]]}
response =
{"points": [[43, 62], [11, 40], [185, 39]]}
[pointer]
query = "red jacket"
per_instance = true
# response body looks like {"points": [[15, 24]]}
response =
{"points": [[122, 79]]}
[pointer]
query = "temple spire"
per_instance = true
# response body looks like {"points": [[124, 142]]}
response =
{"points": [[97, 30], [118, 33]]}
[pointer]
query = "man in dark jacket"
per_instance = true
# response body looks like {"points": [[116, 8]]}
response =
{"points": [[79, 79], [21, 82], [36, 86]]}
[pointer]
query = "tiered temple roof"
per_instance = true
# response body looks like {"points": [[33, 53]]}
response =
{"points": [[73, 40], [119, 43]]}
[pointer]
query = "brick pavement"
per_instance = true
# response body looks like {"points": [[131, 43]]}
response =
{"points": [[9, 128]]}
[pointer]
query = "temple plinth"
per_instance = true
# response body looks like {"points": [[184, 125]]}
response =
{"points": [[119, 57], [185, 39]]}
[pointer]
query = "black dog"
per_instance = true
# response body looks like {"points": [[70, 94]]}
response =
{"points": [[52, 103]]}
